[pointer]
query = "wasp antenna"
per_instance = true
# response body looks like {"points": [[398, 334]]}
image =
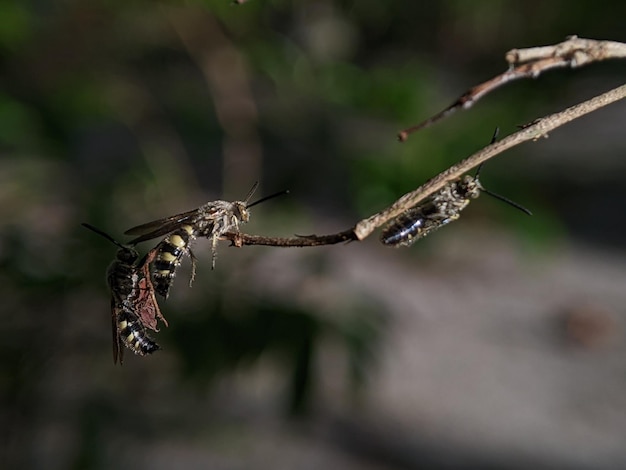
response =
{"points": [[251, 192], [508, 201], [495, 136], [271, 196], [105, 235], [480, 167], [495, 195], [493, 140]]}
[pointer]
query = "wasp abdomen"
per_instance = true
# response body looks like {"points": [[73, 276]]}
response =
{"points": [[133, 335], [404, 229], [440, 209], [170, 254]]}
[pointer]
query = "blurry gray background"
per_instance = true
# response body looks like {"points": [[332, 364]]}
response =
{"points": [[498, 342]]}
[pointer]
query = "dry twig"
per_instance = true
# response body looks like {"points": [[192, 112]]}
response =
{"points": [[524, 63], [240, 239], [530, 63], [533, 131]]}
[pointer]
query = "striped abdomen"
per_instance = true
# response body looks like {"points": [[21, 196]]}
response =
{"points": [[169, 256], [438, 210], [405, 229], [133, 334]]}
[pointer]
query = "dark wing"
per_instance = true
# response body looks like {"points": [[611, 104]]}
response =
{"points": [[118, 350], [160, 227]]}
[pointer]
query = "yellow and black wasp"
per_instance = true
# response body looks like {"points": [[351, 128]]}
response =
{"points": [[133, 303], [211, 220]]}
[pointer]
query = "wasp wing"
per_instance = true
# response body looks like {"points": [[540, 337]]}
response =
{"points": [[160, 227]]}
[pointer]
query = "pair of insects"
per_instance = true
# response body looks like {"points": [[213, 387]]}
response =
{"points": [[133, 303], [134, 307], [439, 209]]}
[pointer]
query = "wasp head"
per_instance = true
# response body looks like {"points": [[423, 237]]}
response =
{"points": [[240, 211], [469, 187], [127, 255]]}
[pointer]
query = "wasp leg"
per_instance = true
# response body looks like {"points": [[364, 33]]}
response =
{"points": [[193, 266], [214, 240], [118, 350]]}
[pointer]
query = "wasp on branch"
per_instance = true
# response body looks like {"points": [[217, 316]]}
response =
{"points": [[133, 303], [439, 209], [211, 220]]}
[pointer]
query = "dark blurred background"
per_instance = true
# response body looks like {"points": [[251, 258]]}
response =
{"points": [[498, 342]]}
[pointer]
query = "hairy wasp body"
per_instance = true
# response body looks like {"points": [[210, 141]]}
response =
{"points": [[439, 209], [133, 304], [211, 220]]}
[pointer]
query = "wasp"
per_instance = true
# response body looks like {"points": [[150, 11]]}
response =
{"points": [[439, 209], [133, 303], [211, 220]]}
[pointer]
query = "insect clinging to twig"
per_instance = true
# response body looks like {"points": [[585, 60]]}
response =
{"points": [[439, 209], [211, 220]]}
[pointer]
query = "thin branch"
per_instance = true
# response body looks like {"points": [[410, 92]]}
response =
{"points": [[535, 130], [530, 63], [240, 239]]}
